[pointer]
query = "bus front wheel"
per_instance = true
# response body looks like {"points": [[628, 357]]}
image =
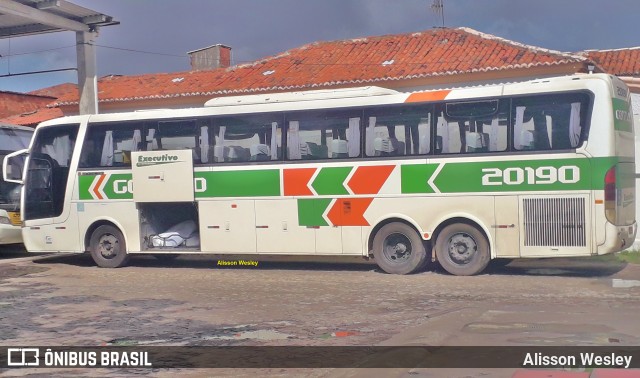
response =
{"points": [[398, 249], [462, 250], [108, 248]]}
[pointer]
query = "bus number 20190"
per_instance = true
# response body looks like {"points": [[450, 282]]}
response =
{"points": [[569, 174]]}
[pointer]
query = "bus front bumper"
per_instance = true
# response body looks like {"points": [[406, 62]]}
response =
{"points": [[10, 234]]}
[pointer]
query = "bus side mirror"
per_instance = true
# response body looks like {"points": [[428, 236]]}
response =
{"points": [[13, 166]]}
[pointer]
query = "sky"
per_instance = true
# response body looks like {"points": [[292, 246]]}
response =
{"points": [[155, 35]]}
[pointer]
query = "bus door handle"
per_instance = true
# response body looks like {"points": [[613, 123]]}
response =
{"points": [[157, 177]]}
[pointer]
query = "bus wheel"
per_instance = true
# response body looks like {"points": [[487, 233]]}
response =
{"points": [[108, 248], [398, 249], [462, 250]]}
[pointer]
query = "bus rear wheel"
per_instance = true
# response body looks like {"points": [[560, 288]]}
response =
{"points": [[108, 248], [398, 249], [462, 250]]}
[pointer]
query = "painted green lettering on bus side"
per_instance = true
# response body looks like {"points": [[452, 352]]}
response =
{"points": [[622, 115], [117, 186], [462, 177], [508, 176], [310, 211], [244, 183], [329, 181]]}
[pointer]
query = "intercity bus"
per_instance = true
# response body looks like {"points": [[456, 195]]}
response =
{"points": [[543, 168], [12, 138]]}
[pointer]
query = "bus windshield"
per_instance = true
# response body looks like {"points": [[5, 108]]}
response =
{"points": [[11, 140]]}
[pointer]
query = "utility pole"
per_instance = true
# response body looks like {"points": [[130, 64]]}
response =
{"points": [[438, 8]]}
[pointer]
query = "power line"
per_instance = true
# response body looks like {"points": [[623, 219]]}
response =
{"points": [[139, 51], [37, 52], [38, 72]]}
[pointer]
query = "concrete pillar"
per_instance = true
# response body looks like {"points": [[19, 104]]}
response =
{"points": [[87, 76]]}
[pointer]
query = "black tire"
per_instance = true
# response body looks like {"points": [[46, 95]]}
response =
{"points": [[462, 250], [108, 248], [398, 249]]}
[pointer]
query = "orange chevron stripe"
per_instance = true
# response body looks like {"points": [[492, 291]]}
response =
{"points": [[427, 96], [349, 212], [97, 186], [369, 179], [296, 180]]}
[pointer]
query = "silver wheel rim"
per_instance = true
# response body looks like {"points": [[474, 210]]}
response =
{"points": [[108, 246], [396, 248], [461, 248]]}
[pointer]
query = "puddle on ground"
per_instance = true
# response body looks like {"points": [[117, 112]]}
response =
{"points": [[619, 283], [260, 334], [489, 327]]}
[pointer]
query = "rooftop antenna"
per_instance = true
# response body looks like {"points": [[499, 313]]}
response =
{"points": [[438, 8]]}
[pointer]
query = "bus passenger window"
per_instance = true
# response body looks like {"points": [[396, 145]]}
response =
{"points": [[549, 122], [175, 135], [317, 135], [472, 127], [398, 131], [247, 138], [110, 145]]}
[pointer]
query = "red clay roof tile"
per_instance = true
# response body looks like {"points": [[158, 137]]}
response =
{"points": [[621, 62], [435, 52], [33, 118]]}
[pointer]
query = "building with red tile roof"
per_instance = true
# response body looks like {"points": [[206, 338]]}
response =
{"points": [[13, 102], [432, 59], [34, 117], [624, 63]]}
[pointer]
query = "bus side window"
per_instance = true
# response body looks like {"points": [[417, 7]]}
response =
{"points": [[176, 135], [472, 127], [248, 138], [549, 122], [317, 135], [387, 140], [110, 145], [398, 130]]}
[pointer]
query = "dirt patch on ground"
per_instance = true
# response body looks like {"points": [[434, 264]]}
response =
{"points": [[11, 271]]}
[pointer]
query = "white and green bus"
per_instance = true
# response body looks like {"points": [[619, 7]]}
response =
{"points": [[541, 168]]}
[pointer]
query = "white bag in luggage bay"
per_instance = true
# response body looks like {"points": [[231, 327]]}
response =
{"points": [[183, 233]]}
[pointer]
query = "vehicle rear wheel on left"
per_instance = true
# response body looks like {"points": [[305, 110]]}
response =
{"points": [[398, 249], [108, 248]]}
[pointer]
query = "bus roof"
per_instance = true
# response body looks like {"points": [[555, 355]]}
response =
{"points": [[15, 127], [341, 98], [322, 94]]}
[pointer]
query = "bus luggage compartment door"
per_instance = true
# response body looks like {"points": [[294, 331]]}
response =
{"points": [[162, 176]]}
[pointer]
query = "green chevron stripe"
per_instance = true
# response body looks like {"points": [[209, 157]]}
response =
{"points": [[329, 181], [310, 211]]}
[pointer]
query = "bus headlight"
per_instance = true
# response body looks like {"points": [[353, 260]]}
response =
{"points": [[4, 220]]}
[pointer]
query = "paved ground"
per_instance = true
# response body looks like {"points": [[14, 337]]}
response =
{"points": [[65, 300]]}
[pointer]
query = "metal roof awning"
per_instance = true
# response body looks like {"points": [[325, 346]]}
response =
{"points": [[29, 17]]}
